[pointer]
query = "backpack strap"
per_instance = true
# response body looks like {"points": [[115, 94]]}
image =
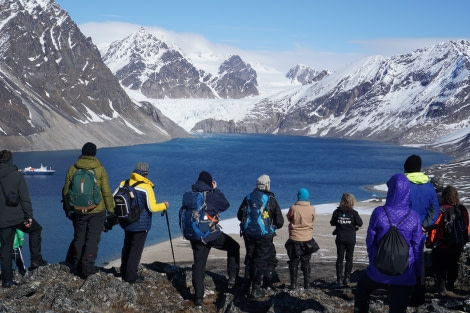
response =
{"points": [[390, 221]]}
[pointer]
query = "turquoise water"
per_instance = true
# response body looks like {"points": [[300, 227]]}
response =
{"points": [[327, 167]]}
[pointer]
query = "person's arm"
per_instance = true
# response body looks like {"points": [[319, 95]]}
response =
{"points": [[241, 210], [357, 219], [106, 190], [278, 219], [152, 200], [334, 218]]}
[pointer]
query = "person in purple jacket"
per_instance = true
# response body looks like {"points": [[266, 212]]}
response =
{"points": [[400, 287]]}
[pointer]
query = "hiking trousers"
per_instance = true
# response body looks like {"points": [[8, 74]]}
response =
{"points": [[399, 295], [201, 252], [86, 237], [134, 242], [7, 236]]}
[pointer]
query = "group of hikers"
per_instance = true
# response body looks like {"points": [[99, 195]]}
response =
{"points": [[419, 211]]}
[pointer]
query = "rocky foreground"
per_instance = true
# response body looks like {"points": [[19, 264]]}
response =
{"points": [[167, 288]]}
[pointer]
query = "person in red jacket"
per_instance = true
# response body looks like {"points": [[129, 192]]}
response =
{"points": [[447, 245]]}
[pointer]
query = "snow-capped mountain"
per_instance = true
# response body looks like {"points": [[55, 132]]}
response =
{"points": [[144, 63], [304, 74], [420, 98], [55, 90]]}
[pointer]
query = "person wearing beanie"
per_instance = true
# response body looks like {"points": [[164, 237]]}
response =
{"points": [[301, 216], [423, 197], [260, 216], [216, 204], [88, 224], [135, 234], [346, 221], [16, 212]]}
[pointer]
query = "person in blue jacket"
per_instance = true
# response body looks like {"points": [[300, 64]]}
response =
{"points": [[135, 234], [216, 203], [423, 197], [401, 286]]}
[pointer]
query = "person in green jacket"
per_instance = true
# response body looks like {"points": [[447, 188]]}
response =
{"points": [[88, 224]]}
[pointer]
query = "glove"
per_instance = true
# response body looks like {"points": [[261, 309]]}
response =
{"points": [[110, 220]]}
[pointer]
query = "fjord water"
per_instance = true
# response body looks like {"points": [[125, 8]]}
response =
{"points": [[326, 167]]}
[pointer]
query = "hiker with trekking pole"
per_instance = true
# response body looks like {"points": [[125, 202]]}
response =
{"points": [[135, 202]]}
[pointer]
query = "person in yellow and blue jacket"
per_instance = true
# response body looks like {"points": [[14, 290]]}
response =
{"points": [[135, 234]]}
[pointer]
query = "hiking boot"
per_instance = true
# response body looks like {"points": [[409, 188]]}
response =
{"points": [[257, 292], [7, 284], [198, 302], [139, 279], [35, 265], [231, 282]]}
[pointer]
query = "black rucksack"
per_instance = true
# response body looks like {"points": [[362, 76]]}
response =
{"points": [[392, 251], [455, 232], [126, 207]]}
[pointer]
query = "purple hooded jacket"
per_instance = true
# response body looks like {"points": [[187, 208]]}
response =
{"points": [[397, 206]]}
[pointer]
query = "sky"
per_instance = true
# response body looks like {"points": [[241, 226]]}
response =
{"points": [[321, 34]]}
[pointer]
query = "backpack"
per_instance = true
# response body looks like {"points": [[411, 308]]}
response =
{"points": [[126, 207], [256, 222], [195, 223], [84, 192], [392, 251], [455, 233]]}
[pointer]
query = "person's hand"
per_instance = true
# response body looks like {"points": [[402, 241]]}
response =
{"points": [[214, 184], [28, 222], [167, 204]]}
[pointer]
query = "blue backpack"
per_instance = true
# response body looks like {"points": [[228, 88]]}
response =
{"points": [[195, 223], [126, 207], [256, 222]]}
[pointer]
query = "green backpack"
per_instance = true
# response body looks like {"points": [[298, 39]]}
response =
{"points": [[84, 193]]}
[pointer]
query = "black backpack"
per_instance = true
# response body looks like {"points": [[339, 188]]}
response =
{"points": [[455, 232], [392, 251], [126, 207]]}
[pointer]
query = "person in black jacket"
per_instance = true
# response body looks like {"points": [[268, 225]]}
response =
{"points": [[259, 242], [216, 203], [16, 212], [347, 221]]}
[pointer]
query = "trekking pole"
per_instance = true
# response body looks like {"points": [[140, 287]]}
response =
{"points": [[169, 234]]}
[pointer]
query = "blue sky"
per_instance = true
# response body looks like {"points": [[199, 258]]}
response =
{"points": [[333, 28]]}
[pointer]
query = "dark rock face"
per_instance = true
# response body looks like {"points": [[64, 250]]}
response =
{"points": [[236, 80], [159, 71], [306, 75], [406, 99], [52, 77], [168, 288]]}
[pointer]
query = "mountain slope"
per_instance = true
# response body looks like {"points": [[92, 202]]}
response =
{"points": [[55, 89], [416, 98], [143, 63]]}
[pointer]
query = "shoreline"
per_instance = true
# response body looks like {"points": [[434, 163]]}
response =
{"points": [[322, 233]]}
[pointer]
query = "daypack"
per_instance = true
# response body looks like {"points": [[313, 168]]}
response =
{"points": [[126, 207], [392, 251], [84, 193], [195, 223], [256, 222], [455, 232]]}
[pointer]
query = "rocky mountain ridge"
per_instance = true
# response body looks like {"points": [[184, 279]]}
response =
{"points": [[55, 90], [421, 98], [143, 62]]}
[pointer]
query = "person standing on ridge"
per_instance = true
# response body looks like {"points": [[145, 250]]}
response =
{"points": [[260, 216], [301, 216], [346, 221], [216, 203], [423, 197], [135, 234], [16, 212], [397, 212], [88, 224]]}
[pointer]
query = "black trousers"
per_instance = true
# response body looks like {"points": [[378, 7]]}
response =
{"points": [[201, 252], [7, 236], [86, 237], [445, 263], [345, 247], [134, 242], [399, 295]]}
